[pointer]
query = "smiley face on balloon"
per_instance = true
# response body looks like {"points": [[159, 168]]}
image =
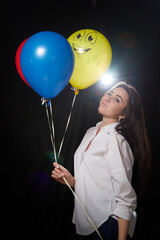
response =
{"points": [[84, 41], [93, 57]]}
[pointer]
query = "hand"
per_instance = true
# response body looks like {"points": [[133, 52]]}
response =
{"points": [[59, 172]]}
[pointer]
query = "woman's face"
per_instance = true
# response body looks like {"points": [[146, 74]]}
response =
{"points": [[112, 104]]}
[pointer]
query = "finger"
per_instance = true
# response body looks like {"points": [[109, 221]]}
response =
{"points": [[56, 165], [56, 170], [61, 168], [55, 175], [58, 179]]}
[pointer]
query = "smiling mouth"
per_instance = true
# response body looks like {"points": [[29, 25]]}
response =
{"points": [[80, 50]]}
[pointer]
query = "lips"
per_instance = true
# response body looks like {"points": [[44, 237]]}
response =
{"points": [[80, 50], [103, 104]]}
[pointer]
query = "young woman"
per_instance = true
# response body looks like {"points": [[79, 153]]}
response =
{"points": [[110, 167]]}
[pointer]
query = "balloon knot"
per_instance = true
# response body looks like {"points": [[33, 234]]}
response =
{"points": [[44, 100], [76, 91]]}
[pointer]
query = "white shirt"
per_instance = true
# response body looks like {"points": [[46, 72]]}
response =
{"points": [[103, 179]]}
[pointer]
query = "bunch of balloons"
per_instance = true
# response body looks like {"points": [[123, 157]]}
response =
{"points": [[47, 61]]}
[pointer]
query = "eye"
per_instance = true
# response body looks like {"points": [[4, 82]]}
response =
{"points": [[79, 36], [109, 94], [116, 100], [91, 38]]}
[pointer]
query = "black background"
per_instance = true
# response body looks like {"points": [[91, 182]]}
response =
{"points": [[33, 204]]}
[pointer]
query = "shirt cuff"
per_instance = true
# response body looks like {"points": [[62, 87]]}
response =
{"points": [[123, 212]]}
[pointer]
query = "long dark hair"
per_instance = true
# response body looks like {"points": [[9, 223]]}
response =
{"points": [[133, 128]]}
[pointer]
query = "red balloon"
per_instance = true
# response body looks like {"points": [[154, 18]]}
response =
{"points": [[17, 61]]}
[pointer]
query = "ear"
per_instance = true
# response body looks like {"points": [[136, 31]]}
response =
{"points": [[121, 117]]}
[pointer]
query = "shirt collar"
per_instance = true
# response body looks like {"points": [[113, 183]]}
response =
{"points": [[109, 128]]}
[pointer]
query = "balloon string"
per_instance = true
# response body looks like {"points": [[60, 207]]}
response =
{"points": [[60, 148], [51, 127], [84, 210], [52, 135], [53, 131]]}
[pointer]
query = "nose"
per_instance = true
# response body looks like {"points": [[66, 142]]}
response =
{"points": [[107, 98]]}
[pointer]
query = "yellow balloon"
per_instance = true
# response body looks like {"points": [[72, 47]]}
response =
{"points": [[93, 55]]}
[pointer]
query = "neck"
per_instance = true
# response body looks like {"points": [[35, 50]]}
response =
{"points": [[107, 121]]}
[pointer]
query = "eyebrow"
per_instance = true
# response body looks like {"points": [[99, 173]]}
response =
{"points": [[120, 97]]}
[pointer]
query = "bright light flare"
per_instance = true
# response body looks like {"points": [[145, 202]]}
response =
{"points": [[107, 79]]}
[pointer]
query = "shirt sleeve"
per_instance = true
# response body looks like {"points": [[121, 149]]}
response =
{"points": [[119, 158]]}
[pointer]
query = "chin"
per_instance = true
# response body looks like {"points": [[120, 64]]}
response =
{"points": [[100, 111]]}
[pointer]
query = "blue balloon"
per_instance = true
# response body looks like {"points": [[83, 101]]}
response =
{"points": [[47, 63]]}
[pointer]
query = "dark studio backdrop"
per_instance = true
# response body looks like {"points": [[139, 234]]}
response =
{"points": [[33, 204]]}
